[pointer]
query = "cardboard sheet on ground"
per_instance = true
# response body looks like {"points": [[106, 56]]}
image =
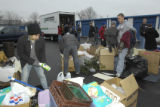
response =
{"points": [[102, 76], [6, 72]]}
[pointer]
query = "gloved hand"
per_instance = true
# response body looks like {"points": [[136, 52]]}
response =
{"points": [[36, 63]]}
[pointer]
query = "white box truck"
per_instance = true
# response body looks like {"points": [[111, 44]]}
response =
{"points": [[49, 23]]}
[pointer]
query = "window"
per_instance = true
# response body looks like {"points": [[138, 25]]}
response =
{"points": [[49, 19]]}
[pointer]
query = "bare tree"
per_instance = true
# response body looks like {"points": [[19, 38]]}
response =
{"points": [[34, 17], [12, 18], [88, 13]]}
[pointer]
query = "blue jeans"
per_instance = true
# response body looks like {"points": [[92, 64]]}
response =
{"points": [[59, 37], [119, 61], [142, 42], [40, 72], [74, 52], [78, 36]]}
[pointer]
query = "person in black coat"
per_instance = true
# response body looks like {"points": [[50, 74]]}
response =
{"points": [[150, 37], [91, 33], [31, 52]]}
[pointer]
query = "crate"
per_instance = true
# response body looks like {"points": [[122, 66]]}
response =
{"points": [[56, 90], [73, 91]]}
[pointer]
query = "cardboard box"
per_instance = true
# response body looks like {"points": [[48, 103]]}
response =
{"points": [[130, 87], [3, 56], [92, 50], [22, 105], [70, 64], [106, 59], [153, 61]]}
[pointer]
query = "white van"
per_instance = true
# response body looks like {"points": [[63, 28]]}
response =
{"points": [[49, 23]]}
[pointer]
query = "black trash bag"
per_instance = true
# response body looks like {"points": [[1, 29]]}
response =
{"points": [[137, 66], [9, 49]]}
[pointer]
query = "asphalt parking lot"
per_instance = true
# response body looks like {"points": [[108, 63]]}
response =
{"points": [[149, 93]]}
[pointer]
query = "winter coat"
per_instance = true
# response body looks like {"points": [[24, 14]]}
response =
{"points": [[101, 32], [143, 29], [150, 37], [67, 41], [24, 50], [59, 31], [91, 31]]}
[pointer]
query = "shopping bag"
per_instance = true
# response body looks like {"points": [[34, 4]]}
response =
{"points": [[12, 99], [60, 77]]}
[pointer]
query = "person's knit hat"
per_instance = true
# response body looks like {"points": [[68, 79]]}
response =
{"points": [[33, 29]]}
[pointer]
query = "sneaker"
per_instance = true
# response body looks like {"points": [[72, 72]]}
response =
{"points": [[118, 75], [77, 73]]}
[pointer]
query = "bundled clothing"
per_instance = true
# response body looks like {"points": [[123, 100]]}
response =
{"points": [[69, 45], [150, 37], [111, 34]]}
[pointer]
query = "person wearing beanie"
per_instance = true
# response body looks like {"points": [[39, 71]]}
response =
{"points": [[69, 45], [31, 52]]}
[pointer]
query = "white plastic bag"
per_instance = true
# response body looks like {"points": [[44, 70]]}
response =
{"points": [[78, 80], [17, 88], [12, 99], [60, 77]]}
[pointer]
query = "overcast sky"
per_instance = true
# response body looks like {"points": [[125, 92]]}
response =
{"points": [[103, 7]]}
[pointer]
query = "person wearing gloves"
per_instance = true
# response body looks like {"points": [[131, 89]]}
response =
{"points": [[124, 35], [69, 45], [31, 52], [111, 34]]}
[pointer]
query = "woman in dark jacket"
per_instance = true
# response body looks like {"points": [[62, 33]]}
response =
{"points": [[150, 37]]}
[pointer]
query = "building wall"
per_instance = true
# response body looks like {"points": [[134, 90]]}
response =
{"points": [[135, 21]]}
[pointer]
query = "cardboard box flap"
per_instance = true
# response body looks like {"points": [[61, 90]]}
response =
{"points": [[105, 51], [108, 86], [129, 85]]}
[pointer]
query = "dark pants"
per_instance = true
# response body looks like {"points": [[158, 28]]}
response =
{"points": [[74, 52]]}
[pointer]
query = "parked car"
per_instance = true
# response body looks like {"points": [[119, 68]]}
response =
{"points": [[11, 33]]}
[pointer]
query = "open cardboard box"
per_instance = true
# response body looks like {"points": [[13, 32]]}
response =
{"points": [[130, 87]]}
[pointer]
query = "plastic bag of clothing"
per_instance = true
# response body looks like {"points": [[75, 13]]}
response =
{"points": [[137, 66]]}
